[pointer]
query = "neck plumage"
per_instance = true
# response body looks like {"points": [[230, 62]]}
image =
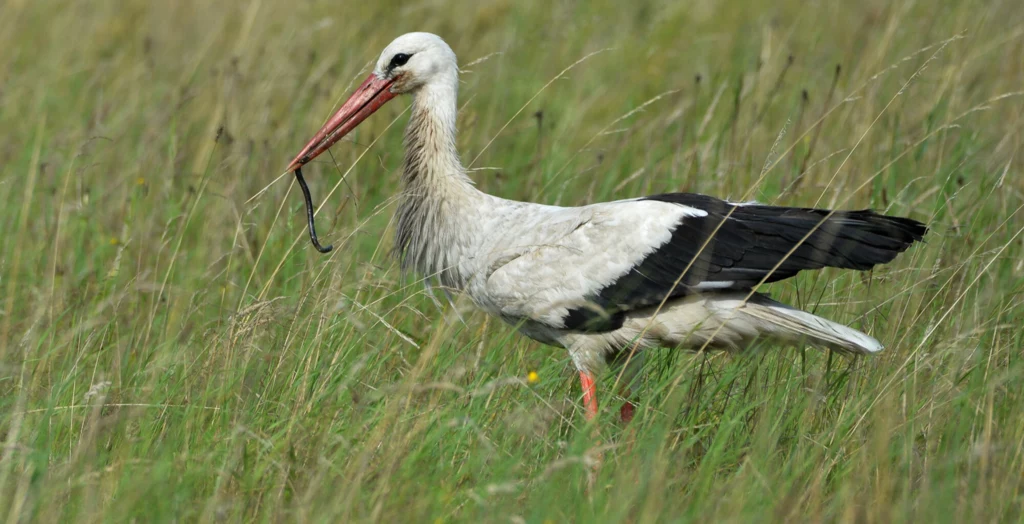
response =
{"points": [[435, 215]]}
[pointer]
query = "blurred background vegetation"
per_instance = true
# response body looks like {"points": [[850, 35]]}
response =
{"points": [[171, 347]]}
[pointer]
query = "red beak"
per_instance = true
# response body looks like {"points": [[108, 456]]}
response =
{"points": [[369, 97]]}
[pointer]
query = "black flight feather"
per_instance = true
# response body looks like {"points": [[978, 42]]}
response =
{"points": [[744, 244]]}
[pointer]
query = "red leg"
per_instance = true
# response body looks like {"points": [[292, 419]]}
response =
{"points": [[589, 394], [626, 381], [626, 411]]}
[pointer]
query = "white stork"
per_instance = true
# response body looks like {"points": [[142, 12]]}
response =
{"points": [[603, 280]]}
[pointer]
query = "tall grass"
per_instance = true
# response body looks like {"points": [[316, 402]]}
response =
{"points": [[171, 349]]}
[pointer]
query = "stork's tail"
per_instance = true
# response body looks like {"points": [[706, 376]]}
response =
{"points": [[792, 325]]}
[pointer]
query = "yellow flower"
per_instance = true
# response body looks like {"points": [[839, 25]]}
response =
{"points": [[140, 181], [114, 241], [532, 377]]}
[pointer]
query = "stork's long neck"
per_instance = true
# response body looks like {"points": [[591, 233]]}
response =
{"points": [[437, 213]]}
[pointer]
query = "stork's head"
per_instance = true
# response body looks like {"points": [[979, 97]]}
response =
{"points": [[414, 60], [408, 64]]}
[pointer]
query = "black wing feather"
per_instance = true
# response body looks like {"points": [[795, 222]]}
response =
{"points": [[744, 244]]}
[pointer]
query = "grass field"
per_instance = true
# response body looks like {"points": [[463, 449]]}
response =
{"points": [[172, 348]]}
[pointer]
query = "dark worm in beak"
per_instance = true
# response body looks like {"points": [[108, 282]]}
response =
{"points": [[309, 213]]}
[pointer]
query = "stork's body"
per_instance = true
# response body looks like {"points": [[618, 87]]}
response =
{"points": [[674, 270]]}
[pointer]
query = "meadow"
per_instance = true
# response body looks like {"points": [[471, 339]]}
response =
{"points": [[173, 349]]}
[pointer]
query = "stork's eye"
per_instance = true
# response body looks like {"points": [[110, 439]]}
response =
{"points": [[399, 60]]}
